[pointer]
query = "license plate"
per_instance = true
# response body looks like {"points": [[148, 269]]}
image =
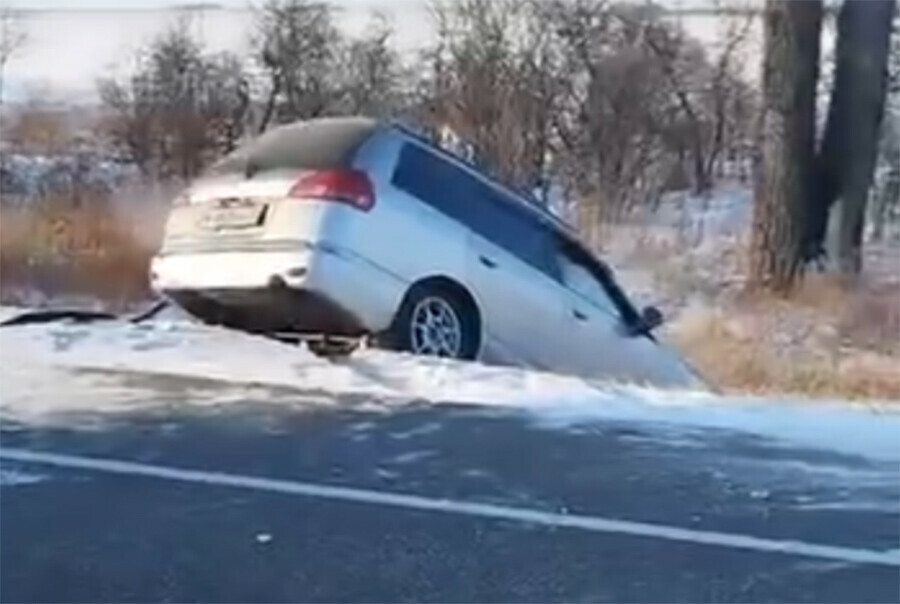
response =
{"points": [[234, 216]]}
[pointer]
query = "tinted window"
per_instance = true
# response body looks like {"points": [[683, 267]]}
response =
{"points": [[311, 145], [579, 278], [438, 183], [502, 223], [476, 204], [600, 276]]}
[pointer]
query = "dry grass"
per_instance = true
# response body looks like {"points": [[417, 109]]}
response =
{"points": [[741, 358], [59, 249], [828, 339]]}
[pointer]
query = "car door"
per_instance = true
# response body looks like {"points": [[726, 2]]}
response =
{"points": [[511, 267], [601, 323], [592, 320]]}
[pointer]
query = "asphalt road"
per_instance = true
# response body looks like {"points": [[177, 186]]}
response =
{"points": [[599, 512]]}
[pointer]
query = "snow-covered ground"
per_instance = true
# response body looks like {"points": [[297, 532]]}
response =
{"points": [[703, 239], [39, 377]]}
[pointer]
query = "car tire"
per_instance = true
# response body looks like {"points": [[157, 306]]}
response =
{"points": [[449, 309]]}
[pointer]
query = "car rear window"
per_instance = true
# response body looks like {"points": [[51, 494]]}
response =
{"points": [[309, 145]]}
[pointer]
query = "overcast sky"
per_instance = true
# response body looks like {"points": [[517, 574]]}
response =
{"points": [[72, 43]]}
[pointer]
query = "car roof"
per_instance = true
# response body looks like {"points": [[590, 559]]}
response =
{"points": [[313, 144]]}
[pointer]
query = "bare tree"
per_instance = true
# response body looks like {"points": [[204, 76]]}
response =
{"points": [[705, 92], [492, 84], [225, 101], [12, 39], [370, 73], [615, 122], [847, 157], [787, 141], [179, 109], [887, 191], [886, 197], [297, 45]]}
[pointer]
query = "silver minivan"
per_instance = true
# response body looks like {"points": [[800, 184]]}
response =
{"points": [[337, 230]]}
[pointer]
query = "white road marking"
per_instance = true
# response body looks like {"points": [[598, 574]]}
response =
{"points": [[465, 508]]}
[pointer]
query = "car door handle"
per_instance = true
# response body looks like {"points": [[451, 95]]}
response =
{"points": [[487, 262], [579, 315]]}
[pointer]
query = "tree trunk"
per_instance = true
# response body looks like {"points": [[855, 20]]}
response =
{"points": [[787, 133], [887, 199], [269, 111], [702, 176], [846, 162]]}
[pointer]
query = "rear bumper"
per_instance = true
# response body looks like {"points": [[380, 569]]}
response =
{"points": [[229, 270], [295, 286]]}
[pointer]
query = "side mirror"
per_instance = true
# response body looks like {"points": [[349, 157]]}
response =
{"points": [[652, 318]]}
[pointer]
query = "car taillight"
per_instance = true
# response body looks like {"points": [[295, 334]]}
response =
{"points": [[347, 186]]}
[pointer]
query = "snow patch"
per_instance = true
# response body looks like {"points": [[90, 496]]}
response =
{"points": [[8, 312], [726, 211], [34, 359]]}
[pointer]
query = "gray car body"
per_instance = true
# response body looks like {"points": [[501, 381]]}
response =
{"points": [[542, 299]]}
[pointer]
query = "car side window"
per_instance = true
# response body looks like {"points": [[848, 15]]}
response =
{"points": [[476, 204], [501, 223], [438, 183], [578, 276]]}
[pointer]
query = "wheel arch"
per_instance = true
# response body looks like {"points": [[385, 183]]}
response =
{"points": [[457, 289]]}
